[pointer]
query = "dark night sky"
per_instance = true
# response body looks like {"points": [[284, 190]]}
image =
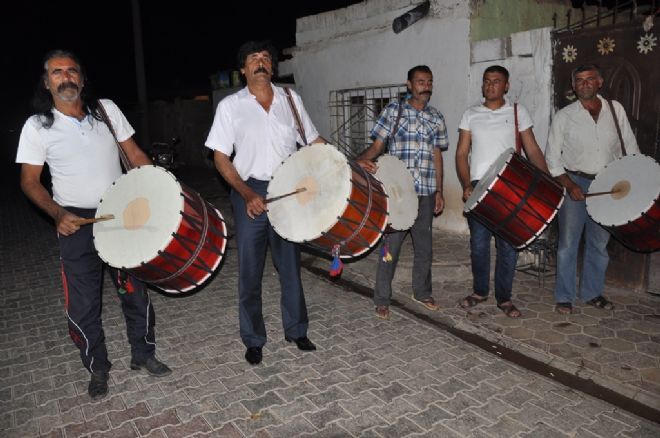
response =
{"points": [[184, 43]]}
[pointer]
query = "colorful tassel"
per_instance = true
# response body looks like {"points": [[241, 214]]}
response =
{"points": [[337, 265], [385, 254]]}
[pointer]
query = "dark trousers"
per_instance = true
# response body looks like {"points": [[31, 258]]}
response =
{"points": [[253, 237], [82, 276], [422, 239]]}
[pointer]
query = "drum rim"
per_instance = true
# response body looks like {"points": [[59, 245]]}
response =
{"points": [[475, 196]]}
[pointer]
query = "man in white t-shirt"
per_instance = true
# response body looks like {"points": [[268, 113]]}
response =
{"points": [[68, 133], [259, 126], [485, 132]]}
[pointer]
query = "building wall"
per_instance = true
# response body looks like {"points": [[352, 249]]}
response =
{"points": [[356, 47]]}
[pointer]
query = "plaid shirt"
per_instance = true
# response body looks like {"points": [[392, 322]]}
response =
{"points": [[418, 133]]}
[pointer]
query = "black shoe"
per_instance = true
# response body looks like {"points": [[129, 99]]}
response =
{"points": [[303, 343], [253, 355], [153, 366], [98, 385]]}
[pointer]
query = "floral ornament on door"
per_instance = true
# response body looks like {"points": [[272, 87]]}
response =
{"points": [[605, 45], [569, 54], [646, 43]]}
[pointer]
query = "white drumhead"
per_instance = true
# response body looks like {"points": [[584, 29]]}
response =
{"points": [[326, 175], [146, 203], [487, 181], [638, 176], [399, 186]]}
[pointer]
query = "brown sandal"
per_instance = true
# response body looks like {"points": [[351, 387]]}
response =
{"points": [[509, 309], [471, 301], [383, 312]]}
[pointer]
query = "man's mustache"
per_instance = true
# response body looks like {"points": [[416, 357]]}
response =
{"points": [[261, 69], [64, 85], [426, 92]]}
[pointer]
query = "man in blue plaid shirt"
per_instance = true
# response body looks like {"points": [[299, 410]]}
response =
{"points": [[415, 133]]}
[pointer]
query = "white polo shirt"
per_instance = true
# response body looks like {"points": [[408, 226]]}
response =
{"points": [[492, 133], [261, 140], [82, 156]]}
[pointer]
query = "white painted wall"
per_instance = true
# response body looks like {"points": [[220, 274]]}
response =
{"points": [[356, 47]]}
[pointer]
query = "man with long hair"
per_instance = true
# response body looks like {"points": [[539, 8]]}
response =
{"points": [[70, 133]]}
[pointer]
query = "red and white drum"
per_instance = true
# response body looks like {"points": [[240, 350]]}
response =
{"points": [[632, 211], [163, 233], [400, 188], [515, 199], [343, 209]]}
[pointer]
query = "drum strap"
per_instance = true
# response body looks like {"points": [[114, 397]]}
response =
{"points": [[618, 129], [122, 155], [517, 134], [395, 127], [299, 125]]}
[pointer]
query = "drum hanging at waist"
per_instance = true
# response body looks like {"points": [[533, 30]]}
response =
{"points": [[629, 207], [163, 233], [399, 186], [343, 208], [515, 199]]}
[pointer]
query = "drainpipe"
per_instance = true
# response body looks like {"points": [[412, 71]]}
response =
{"points": [[412, 16]]}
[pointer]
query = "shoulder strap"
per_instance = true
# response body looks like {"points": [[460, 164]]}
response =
{"points": [[122, 155], [398, 118], [618, 129], [300, 127], [515, 118]]}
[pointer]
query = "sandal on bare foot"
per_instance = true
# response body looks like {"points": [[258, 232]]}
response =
{"points": [[383, 312], [564, 308], [471, 301], [600, 302], [509, 309]]}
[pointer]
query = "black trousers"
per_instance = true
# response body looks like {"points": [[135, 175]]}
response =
{"points": [[82, 277]]}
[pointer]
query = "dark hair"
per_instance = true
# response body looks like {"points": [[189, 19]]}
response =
{"points": [[42, 101], [422, 68], [497, 69], [586, 67], [251, 47]]}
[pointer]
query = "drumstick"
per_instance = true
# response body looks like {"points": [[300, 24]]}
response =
{"points": [[587, 195], [619, 190], [103, 217], [277, 198]]}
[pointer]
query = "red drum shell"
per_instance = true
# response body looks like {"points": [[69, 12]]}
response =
{"points": [[192, 248], [515, 199], [343, 206]]}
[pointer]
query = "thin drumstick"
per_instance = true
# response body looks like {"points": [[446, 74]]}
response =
{"points": [[277, 198], [103, 217], [587, 195]]}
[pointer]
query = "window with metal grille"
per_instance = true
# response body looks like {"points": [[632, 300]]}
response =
{"points": [[354, 111]]}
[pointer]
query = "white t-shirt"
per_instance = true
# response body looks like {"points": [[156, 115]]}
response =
{"points": [[492, 133], [262, 140], [82, 156]]}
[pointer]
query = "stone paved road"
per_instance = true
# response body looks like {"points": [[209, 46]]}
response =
{"points": [[369, 378]]}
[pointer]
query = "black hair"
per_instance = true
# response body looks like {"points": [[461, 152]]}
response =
{"points": [[251, 47], [586, 67], [42, 100], [421, 68], [497, 69]]}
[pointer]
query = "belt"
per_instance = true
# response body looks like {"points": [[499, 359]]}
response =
{"points": [[582, 174]]}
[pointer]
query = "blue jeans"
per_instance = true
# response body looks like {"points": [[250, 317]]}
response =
{"points": [[505, 262], [573, 221], [253, 236]]}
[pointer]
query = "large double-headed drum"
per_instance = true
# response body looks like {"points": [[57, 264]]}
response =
{"points": [[400, 188], [343, 210], [515, 199], [630, 205], [163, 233]]}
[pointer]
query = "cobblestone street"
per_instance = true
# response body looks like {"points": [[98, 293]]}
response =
{"points": [[409, 376]]}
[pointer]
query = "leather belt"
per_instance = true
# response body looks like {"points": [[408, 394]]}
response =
{"points": [[582, 174]]}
